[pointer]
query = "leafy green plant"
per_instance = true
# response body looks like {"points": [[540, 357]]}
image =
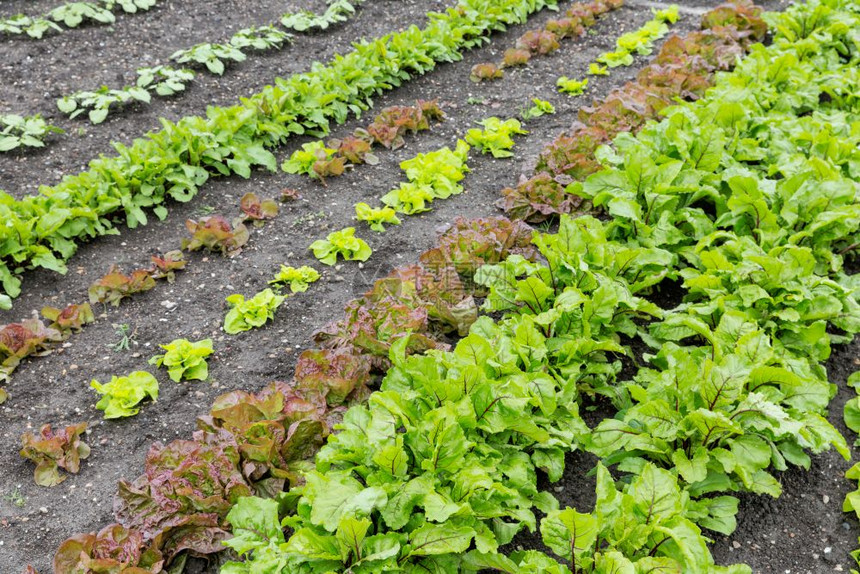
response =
{"points": [[343, 243], [515, 57], [21, 340], [97, 104], [433, 175], [24, 131], [210, 55], [376, 217], [315, 160], [595, 69], [539, 108], [252, 313], [640, 41], [257, 209], [165, 266], [114, 286], [487, 71], [356, 150], [114, 548], [571, 87], [260, 38], [298, 279], [73, 13], [215, 233], [121, 396], [338, 11], [15, 497], [34, 27], [185, 361], [496, 137], [70, 319], [538, 42], [52, 451], [130, 6], [164, 80]]}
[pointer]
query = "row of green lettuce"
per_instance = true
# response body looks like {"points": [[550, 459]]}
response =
{"points": [[171, 164], [748, 201]]}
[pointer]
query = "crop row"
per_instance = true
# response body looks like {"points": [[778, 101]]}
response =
{"points": [[163, 80], [44, 230], [683, 68], [540, 42], [71, 15]]}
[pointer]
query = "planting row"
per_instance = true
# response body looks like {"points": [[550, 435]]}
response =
{"points": [[540, 42], [164, 80], [682, 69], [43, 230], [71, 15]]}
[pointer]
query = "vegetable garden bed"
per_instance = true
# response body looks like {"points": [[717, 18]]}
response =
{"points": [[803, 530]]}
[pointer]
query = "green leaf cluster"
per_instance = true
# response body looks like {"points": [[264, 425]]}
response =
{"points": [[210, 55], [343, 243], [121, 395], [96, 104], [376, 216], [338, 11], [298, 279], [24, 131], [260, 38], [640, 41], [35, 27], [185, 361], [164, 80], [539, 108], [433, 175], [571, 87], [496, 137], [252, 313]]}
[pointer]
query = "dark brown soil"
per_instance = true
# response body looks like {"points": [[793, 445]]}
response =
{"points": [[789, 534]]}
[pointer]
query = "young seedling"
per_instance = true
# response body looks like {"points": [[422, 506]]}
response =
{"points": [[24, 131], [376, 216], [571, 87], [298, 279], [496, 137], [185, 361], [126, 337], [121, 395], [343, 243], [247, 314]]}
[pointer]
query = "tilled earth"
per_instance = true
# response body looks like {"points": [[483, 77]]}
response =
{"points": [[802, 532]]}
